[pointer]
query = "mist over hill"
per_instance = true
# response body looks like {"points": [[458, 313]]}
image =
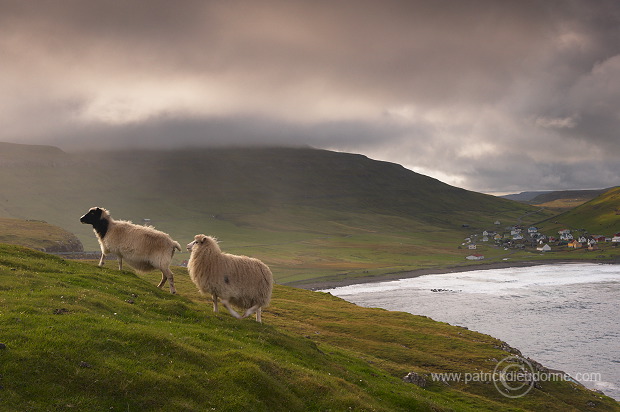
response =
{"points": [[41, 181], [525, 197]]}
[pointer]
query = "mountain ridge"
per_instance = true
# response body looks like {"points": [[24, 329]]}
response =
{"points": [[307, 177]]}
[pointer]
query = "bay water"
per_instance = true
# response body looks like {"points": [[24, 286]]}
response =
{"points": [[565, 316]]}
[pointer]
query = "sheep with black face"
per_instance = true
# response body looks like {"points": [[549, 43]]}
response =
{"points": [[236, 280], [143, 247]]}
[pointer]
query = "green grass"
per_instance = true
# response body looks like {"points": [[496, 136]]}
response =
{"points": [[79, 337], [36, 234], [600, 215]]}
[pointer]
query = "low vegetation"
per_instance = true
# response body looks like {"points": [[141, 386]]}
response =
{"points": [[559, 201], [78, 337], [38, 235], [600, 215]]}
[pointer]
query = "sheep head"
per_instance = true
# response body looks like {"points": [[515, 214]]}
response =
{"points": [[99, 218], [203, 241], [94, 215]]}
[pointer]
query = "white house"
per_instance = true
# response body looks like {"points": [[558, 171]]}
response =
{"points": [[532, 230], [475, 257], [471, 246], [544, 248]]}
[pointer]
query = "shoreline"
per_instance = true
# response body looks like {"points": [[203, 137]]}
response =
{"points": [[325, 284]]}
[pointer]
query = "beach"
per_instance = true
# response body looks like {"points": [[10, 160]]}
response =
{"points": [[332, 282]]}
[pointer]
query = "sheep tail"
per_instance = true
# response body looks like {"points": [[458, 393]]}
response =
{"points": [[177, 246]]}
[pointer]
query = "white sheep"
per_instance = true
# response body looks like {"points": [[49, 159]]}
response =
{"points": [[143, 247], [239, 280]]}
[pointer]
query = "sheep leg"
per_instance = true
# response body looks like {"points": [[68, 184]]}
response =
{"points": [[167, 275], [120, 263], [255, 308], [171, 282], [101, 261], [215, 308], [230, 309]]}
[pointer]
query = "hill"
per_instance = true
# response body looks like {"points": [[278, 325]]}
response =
{"points": [[38, 235], [525, 197], [560, 200], [79, 337], [566, 200], [307, 212], [600, 215]]}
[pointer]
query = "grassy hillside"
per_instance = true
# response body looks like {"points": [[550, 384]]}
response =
{"points": [[308, 213], [566, 199], [38, 235], [600, 215], [561, 198], [77, 337]]}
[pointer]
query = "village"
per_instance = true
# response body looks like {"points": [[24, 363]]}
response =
{"points": [[519, 238]]}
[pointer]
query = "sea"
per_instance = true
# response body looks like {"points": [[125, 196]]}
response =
{"points": [[564, 316]]}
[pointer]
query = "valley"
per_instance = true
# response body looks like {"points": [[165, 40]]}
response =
{"points": [[308, 213]]}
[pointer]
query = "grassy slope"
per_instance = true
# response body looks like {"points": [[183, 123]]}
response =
{"points": [[37, 235], [598, 216], [83, 338], [566, 199], [308, 213]]}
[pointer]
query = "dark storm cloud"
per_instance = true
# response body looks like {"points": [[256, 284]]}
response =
{"points": [[487, 95]]}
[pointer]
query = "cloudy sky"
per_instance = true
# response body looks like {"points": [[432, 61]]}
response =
{"points": [[492, 96]]}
